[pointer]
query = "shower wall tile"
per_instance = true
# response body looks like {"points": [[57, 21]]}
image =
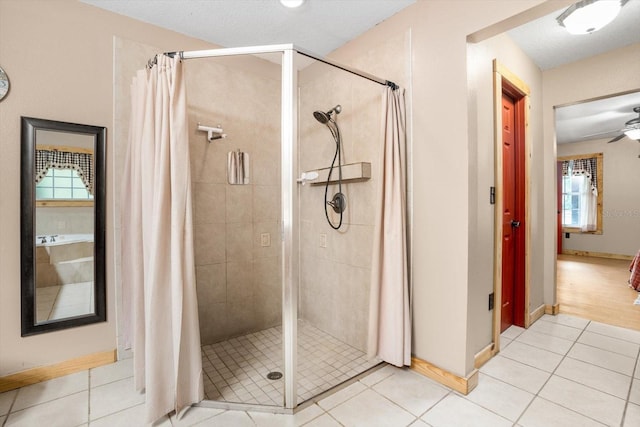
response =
{"points": [[275, 247], [309, 239], [211, 283], [267, 202], [268, 272], [239, 206], [266, 163], [363, 194], [335, 280], [268, 310], [352, 299], [240, 281], [209, 203], [355, 246], [319, 276], [268, 291], [241, 318], [234, 216], [239, 241], [209, 243], [311, 202], [208, 160], [316, 310], [211, 314]]}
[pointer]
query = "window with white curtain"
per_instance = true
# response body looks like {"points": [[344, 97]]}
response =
{"points": [[582, 193]]}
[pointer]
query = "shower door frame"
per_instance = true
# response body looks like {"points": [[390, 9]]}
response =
{"points": [[289, 199], [289, 195]]}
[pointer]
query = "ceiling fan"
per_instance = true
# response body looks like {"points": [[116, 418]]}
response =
{"points": [[631, 128]]}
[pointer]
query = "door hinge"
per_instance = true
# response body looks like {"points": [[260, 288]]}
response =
{"points": [[491, 301], [492, 195]]}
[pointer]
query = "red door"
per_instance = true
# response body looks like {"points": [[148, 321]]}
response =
{"points": [[508, 210], [513, 212], [559, 219]]}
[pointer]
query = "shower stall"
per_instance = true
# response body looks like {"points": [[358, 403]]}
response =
{"points": [[283, 254]]}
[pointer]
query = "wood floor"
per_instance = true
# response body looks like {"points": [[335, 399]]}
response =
{"points": [[597, 289]]}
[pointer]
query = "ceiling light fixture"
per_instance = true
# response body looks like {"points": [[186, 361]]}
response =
{"points": [[588, 16], [292, 3], [632, 128], [632, 132]]}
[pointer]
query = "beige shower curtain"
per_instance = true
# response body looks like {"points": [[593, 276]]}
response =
{"points": [[389, 310], [158, 272]]}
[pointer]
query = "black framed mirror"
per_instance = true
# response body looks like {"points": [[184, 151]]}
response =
{"points": [[63, 207]]}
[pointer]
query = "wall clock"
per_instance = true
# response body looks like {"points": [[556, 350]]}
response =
{"points": [[4, 84]]}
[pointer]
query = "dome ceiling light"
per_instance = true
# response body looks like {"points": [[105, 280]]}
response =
{"points": [[588, 16]]}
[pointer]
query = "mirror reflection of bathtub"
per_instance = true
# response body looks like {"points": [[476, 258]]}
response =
{"points": [[64, 276]]}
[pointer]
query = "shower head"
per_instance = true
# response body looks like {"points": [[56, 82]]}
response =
{"points": [[323, 117]]}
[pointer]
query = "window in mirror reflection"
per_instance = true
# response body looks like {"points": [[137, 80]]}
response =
{"points": [[64, 173], [62, 184]]}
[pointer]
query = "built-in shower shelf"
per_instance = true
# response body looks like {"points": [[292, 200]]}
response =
{"points": [[352, 172]]}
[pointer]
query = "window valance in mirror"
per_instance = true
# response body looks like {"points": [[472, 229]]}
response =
{"points": [[81, 162]]}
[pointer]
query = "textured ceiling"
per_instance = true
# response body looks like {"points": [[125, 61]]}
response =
{"points": [[549, 45], [318, 26], [321, 26], [599, 119]]}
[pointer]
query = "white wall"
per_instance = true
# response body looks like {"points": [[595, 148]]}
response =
{"points": [[621, 197], [59, 58], [482, 176], [447, 316]]}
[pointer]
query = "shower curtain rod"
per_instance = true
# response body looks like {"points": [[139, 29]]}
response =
{"points": [[195, 54], [362, 74]]}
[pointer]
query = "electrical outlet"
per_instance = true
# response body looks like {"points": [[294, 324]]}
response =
{"points": [[323, 240], [265, 239]]}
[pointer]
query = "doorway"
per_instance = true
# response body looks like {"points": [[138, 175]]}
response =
{"points": [[512, 207]]}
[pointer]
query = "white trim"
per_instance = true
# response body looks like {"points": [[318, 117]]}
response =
{"points": [[290, 241]]}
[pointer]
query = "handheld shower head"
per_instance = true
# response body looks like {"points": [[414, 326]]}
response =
{"points": [[323, 117]]}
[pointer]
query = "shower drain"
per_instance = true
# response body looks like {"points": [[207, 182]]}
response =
{"points": [[275, 375]]}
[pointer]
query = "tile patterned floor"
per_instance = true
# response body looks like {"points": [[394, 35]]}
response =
{"points": [[563, 371], [236, 369]]}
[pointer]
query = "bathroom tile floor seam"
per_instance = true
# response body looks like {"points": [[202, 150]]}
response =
{"points": [[554, 372], [563, 371]]}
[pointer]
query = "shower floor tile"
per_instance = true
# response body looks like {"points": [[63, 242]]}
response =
{"points": [[236, 369]]}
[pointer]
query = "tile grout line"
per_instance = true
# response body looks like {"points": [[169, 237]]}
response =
{"points": [[614, 326], [633, 378], [566, 355], [451, 391], [89, 397], [537, 394], [13, 402], [385, 398]]}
